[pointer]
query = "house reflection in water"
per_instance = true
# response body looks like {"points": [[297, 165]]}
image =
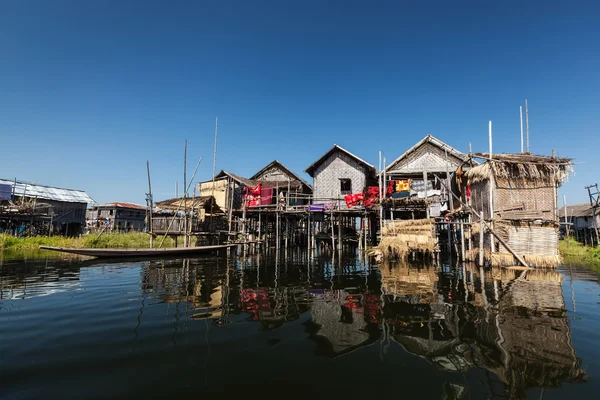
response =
{"points": [[513, 323]]}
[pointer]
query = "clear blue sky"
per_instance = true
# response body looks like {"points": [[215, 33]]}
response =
{"points": [[89, 90]]}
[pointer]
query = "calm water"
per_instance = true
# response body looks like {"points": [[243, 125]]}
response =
{"points": [[258, 327]]}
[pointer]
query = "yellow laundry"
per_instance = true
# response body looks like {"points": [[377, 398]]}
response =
{"points": [[403, 185]]}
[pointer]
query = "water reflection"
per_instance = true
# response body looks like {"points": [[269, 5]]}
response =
{"points": [[511, 324]]}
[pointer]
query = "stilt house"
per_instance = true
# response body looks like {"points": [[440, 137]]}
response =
{"points": [[275, 180], [423, 170], [117, 216], [581, 222], [33, 209], [518, 195], [338, 173]]}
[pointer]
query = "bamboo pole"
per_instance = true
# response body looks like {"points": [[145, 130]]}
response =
{"points": [[425, 186], [332, 234], [481, 241], [340, 243], [462, 242], [213, 175], [380, 197], [491, 194], [185, 222], [179, 206], [521, 117], [527, 123], [150, 203]]}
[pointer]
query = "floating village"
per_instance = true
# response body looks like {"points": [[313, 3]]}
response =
{"points": [[476, 236], [492, 209]]}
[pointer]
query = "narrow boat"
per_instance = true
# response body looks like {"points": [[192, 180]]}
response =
{"points": [[116, 253]]}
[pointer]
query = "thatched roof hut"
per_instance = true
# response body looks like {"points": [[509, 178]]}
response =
{"points": [[519, 193]]}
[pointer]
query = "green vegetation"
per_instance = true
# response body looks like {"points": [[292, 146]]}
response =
{"points": [[105, 241], [571, 249]]}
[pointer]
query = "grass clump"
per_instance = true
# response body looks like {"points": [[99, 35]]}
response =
{"points": [[572, 249], [105, 241]]}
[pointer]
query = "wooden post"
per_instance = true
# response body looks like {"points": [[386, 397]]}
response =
{"points": [[481, 240], [212, 226], [366, 222], [492, 182], [360, 236], [244, 223], [308, 225], [380, 197], [185, 239], [492, 243], [259, 229], [332, 234], [521, 116], [567, 230], [462, 242], [449, 225], [527, 123], [425, 186], [340, 243], [232, 194], [277, 229], [449, 183], [287, 231]]}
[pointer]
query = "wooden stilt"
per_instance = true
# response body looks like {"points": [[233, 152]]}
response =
{"points": [[481, 241], [462, 242]]}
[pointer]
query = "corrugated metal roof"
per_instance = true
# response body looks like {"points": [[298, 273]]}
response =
{"points": [[577, 210], [118, 204], [48, 192]]}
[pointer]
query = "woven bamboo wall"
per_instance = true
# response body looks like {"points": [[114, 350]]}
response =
{"points": [[534, 240], [480, 198], [540, 199], [327, 177]]}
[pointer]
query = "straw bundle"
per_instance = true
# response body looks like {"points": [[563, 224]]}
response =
{"points": [[401, 245], [417, 226]]}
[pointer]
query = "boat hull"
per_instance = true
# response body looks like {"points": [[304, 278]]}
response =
{"points": [[117, 253]]}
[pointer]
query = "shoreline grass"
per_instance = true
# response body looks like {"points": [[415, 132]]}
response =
{"points": [[106, 241], [571, 249]]}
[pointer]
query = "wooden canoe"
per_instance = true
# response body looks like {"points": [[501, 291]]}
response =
{"points": [[119, 253]]}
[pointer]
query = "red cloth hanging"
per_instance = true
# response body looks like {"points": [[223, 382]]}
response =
{"points": [[390, 188], [266, 195], [353, 199], [373, 190], [252, 196], [468, 192]]}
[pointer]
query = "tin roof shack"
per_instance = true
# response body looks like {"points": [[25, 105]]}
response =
{"points": [[580, 222], [338, 173], [430, 160], [117, 216], [32, 209], [517, 194]]}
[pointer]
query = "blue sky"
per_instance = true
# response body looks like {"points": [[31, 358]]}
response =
{"points": [[89, 90]]}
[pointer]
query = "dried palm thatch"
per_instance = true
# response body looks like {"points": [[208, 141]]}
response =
{"points": [[502, 259], [521, 169]]}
